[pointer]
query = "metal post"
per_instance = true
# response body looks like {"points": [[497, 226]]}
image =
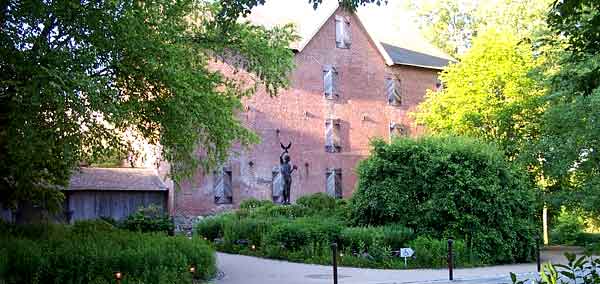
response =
{"points": [[334, 261], [538, 257], [450, 260]]}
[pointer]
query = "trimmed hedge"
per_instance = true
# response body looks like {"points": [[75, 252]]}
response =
{"points": [[90, 252], [449, 187]]}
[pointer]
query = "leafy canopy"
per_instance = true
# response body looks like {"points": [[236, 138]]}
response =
{"points": [[570, 133], [74, 75], [452, 24], [488, 94]]}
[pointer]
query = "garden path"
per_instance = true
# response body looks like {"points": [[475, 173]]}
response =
{"points": [[239, 269]]}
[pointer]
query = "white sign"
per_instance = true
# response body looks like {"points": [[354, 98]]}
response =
{"points": [[406, 252]]}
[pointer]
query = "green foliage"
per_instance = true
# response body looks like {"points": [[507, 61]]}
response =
{"points": [[211, 228], [569, 228], [149, 219], [582, 269], [434, 253], [75, 75], [488, 94], [294, 235], [569, 134], [452, 24], [449, 186], [364, 239], [303, 232], [253, 203], [91, 253], [317, 202]]}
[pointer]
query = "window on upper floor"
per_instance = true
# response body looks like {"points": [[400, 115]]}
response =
{"points": [[333, 179], [332, 136], [343, 34], [439, 85], [222, 186], [392, 91], [398, 130], [330, 82]]}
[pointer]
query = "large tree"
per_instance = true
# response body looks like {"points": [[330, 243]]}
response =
{"points": [[570, 133], [452, 24], [489, 94], [75, 73]]}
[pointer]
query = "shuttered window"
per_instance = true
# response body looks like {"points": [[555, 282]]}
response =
{"points": [[343, 33], [222, 186], [277, 186], [398, 130], [329, 82], [392, 91], [439, 86], [332, 136], [333, 179]]}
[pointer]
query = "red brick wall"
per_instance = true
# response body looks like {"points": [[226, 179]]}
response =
{"points": [[300, 113]]}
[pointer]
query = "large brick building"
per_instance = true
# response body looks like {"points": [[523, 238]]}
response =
{"points": [[357, 77]]}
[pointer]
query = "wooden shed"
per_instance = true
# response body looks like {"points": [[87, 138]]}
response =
{"points": [[113, 192]]}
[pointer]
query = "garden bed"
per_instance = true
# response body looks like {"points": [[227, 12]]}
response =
{"points": [[93, 251], [304, 232]]}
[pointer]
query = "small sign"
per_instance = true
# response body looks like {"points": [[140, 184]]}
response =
{"points": [[406, 252]]}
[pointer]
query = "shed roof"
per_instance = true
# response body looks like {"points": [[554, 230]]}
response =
{"points": [[126, 179], [396, 38]]}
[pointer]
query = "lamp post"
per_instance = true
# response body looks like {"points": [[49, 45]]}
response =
{"points": [[193, 272], [450, 260], [118, 277], [334, 247]]}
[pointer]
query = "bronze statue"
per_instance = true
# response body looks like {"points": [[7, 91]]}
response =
{"points": [[286, 170]]}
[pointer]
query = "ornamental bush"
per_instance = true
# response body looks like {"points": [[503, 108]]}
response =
{"points": [[91, 253], [449, 187]]}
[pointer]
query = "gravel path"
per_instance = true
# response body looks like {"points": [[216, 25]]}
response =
{"points": [[239, 269]]}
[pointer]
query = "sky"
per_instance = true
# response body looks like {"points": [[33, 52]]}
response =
{"points": [[389, 23]]}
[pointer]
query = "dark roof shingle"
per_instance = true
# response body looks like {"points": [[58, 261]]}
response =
{"points": [[116, 179]]}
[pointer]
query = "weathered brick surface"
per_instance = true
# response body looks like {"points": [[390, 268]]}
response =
{"points": [[300, 113]]}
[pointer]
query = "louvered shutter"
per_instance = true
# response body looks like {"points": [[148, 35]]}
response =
{"points": [[328, 81], [329, 147], [277, 186], [218, 188], [339, 31], [392, 91], [330, 183], [347, 33], [333, 182], [222, 187], [336, 134]]}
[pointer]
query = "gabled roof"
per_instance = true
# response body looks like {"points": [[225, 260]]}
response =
{"points": [[127, 179], [396, 38]]}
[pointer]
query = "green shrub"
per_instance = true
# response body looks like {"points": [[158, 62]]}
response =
{"points": [[92, 226], [251, 230], [317, 202], [149, 219], [253, 203], [211, 227], [569, 230], [91, 253], [295, 234], [360, 239], [448, 186], [397, 236], [434, 253]]}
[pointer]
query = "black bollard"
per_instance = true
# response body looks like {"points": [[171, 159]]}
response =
{"points": [[450, 260], [334, 262], [538, 258]]}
